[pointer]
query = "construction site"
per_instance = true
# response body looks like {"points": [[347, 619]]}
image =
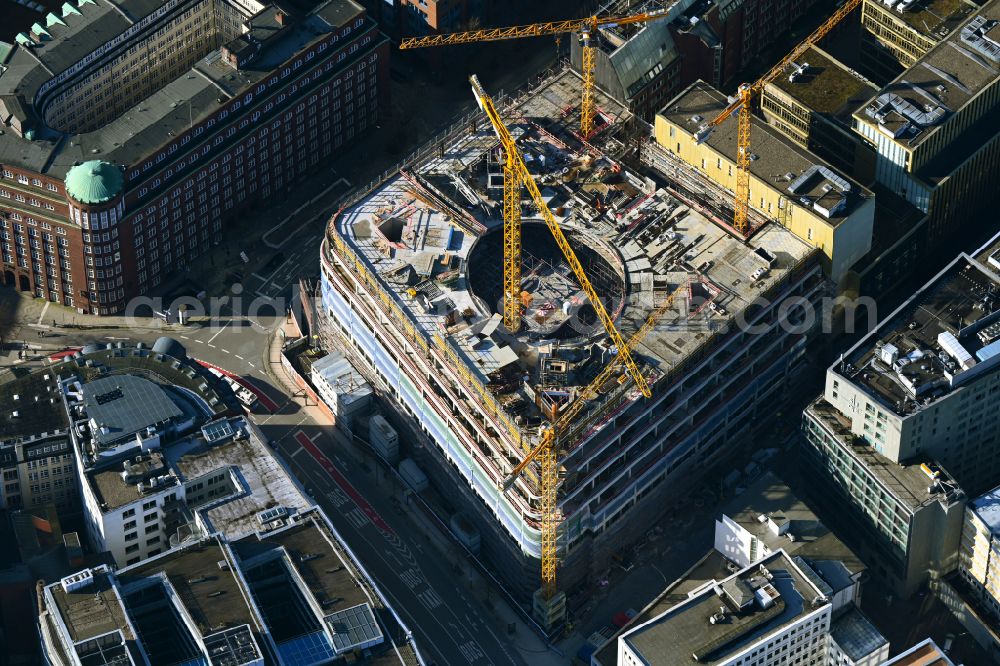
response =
{"points": [[413, 275]]}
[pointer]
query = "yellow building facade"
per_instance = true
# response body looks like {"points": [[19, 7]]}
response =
{"points": [[832, 213]]}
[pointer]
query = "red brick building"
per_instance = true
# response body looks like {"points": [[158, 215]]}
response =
{"points": [[130, 137]]}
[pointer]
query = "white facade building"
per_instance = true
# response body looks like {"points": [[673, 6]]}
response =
{"points": [[771, 613]]}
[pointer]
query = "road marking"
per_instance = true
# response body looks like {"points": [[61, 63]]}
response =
{"points": [[226, 351], [44, 308], [411, 578], [342, 481], [252, 365], [296, 452], [471, 651], [356, 518], [220, 331], [212, 346], [185, 337], [431, 600], [239, 357], [201, 342]]}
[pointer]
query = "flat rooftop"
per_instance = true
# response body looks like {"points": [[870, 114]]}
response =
{"points": [[908, 483], [774, 159], [987, 508], [826, 86], [38, 405], [712, 566], [925, 653], [93, 610], [123, 405], [433, 238], [856, 635], [940, 338], [163, 115], [261, 481], [227, 590], [935, 18], [685, 634], [770, 511], [928, 95], [211, 596]]}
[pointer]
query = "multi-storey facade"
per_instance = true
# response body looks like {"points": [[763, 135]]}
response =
{"points": [[191, 109], [787, 184], [771, 613], [286, 594], [905, 420], [36, 454], [436, 348], [934, 128], [897, 33], [979, 555], [903, 519]]}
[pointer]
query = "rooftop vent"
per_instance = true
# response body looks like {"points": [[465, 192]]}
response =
{"points": [[77, 581]]}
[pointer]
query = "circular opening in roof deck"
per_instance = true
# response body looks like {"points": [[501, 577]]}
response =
{"points": [[554, 304]]}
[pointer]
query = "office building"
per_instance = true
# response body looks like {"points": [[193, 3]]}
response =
{"points": [[36, 453], [428, 330], [788, 185], [767, 517], [771, 613], [897, 33], [131, 135], [935, 129], [291, 594], [812, 103], [904, 424]]}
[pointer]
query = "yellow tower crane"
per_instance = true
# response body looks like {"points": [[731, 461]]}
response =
{"points": [[745, 96], [547, 455], [587, 27], [515, 168]]}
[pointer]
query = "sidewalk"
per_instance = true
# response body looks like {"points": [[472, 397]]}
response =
{"points": [[528, 643]]}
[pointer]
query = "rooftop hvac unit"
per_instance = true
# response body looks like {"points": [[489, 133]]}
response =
{"points": [[76, 581]]}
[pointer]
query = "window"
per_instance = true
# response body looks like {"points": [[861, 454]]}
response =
{"points": [[130, 525], [131, 549], [128, 514], [150, 529], [147, 506], [149, 517], [131, 536], [152, 542]]}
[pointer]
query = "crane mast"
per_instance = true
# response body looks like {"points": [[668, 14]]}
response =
{"points": [[745, 97]]}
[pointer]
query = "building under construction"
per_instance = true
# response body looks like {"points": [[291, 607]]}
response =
{"points": [[412, 275]]}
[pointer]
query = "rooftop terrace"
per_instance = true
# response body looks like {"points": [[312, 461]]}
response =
{"points": [[432, 236], [926, 96], [826, 86], [759, 601], [774, 159], [939, 339]]}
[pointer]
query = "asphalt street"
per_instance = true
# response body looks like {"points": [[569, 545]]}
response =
{"points": [[451, 626]]}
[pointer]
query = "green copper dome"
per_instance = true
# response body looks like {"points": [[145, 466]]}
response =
{"points": [[94, 182]]}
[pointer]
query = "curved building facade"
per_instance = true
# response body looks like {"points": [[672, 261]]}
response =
{"points": [[132, 133]]}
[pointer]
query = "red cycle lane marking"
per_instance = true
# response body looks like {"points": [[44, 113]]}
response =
{"points": [[342, 481], [269, 405]]}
